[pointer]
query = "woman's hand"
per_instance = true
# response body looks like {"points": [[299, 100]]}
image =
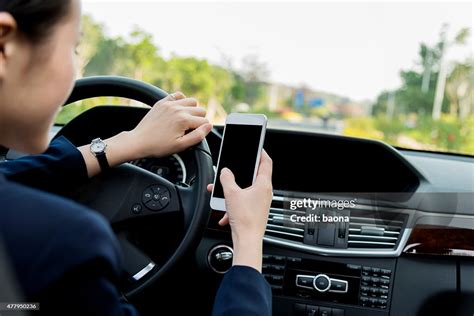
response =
{"points": [[172, 125], [247, 213], [162, 131]]}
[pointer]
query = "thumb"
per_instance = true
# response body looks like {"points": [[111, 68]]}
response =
{"points": [[228, 181], [224, 220]]}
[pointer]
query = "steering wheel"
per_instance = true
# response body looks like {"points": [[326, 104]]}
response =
{"points": [[127, 192]]}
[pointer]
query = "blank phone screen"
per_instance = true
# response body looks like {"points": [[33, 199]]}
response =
{"points": [[239, 154]]}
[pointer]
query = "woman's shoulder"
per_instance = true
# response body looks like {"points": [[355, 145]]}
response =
{"points": [[47, 233]]}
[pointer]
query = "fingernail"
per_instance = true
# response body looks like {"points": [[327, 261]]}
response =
{"points": [[225, 170]]}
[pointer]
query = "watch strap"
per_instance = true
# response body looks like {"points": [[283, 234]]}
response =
{"points": [[103, 163]]}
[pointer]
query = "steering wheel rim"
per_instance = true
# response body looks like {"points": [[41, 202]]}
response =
{"points": [[194, 198]]}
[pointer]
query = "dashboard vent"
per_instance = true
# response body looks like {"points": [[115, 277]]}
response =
{"points": [[365, 231], [279, 223]]}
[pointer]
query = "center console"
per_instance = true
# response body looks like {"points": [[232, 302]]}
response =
{"points": [[329, 287]]}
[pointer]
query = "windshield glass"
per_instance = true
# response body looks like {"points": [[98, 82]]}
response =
{"points": [[400, 72]]}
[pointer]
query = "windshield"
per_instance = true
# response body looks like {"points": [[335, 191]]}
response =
{"points": [[397, 72]]}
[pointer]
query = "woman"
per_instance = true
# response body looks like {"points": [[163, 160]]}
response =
{"points": [[64, 255]]}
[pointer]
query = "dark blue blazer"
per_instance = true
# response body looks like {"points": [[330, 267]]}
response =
{"points": [[66, 256]]}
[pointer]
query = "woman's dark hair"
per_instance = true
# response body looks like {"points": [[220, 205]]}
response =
{"points": [[36, 18]]}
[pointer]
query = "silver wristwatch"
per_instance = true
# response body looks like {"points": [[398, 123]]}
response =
{"points": [[98, 148]]}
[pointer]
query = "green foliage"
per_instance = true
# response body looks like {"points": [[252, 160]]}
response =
{"points": [[410, 98], [447, 134], [137, 56], [453, 132]]}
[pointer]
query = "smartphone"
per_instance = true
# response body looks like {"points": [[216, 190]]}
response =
{"points": [[240, 151]]}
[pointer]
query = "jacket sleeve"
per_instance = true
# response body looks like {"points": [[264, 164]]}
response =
{"points": [[243, 292], [69, 260], [77, 296], [58, 170]]}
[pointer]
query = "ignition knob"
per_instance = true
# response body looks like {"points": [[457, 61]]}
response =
{"points": [[220, 258]]}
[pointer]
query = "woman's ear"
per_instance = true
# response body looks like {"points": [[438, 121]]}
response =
{"points": [[8, 29]]}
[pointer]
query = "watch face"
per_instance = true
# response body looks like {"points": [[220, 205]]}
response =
{"points": [[98, 147]]}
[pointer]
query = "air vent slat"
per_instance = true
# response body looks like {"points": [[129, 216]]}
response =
{"points": [[387, 227], [354, 236], [283, 220], [387, 232], [276, 210], [283, 234], [370, 232], [286, 228], [377, 220], [279, 223], [370, 244]]}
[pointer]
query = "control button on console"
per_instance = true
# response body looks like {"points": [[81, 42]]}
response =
{"points": [[375, 270], [382, 302], [338, 286], [385, 271], [293, 260], [353, 266], [325, 311], [312, 310], [322, 283], [337, 312], [375, 280], [305, 281], [384, 282]]}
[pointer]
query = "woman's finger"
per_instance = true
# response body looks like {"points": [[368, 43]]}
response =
{"points": [[224, 220], [185, 102], [172, 97], [195, 136], [196, 111], [178, 95], [210, 187], [193, 122], [265, 168]]}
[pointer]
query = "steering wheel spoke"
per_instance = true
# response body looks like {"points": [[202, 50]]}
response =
{"points": [[143, 194], [136, 263]]}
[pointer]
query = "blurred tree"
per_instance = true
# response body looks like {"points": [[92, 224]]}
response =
{"points": [[417, 92], [460, 90], [254, 74], [142, 60], [191, 75], [136, 57], [93, 35]]}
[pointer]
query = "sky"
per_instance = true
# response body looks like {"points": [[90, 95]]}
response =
{"points": [[355, 49]]}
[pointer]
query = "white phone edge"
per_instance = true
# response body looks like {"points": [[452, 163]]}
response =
{"points": [[218, 204]]}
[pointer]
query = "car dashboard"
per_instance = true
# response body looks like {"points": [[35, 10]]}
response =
{"points": [[406, 249]]}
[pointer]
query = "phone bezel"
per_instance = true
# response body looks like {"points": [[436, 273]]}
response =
{"points": [[240, 119]]}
